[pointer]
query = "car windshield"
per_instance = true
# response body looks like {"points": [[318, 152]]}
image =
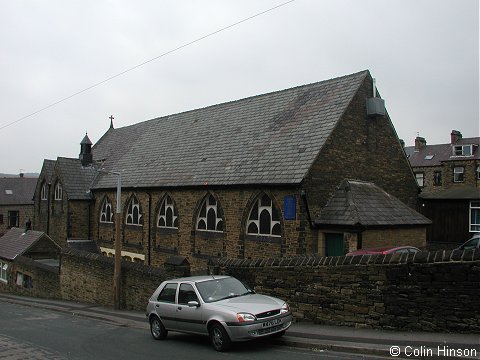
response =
{"points": [[220, 289]]}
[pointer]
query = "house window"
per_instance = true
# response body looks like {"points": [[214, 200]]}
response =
{"points": [[210, 217], [106, 215], [43, 194], [263, 218], [437, 178], [420, 179], [58, 191], [13, 219], [134, 213], [168, 215], [474, 216], [3, 271], [458, 174], [462, 150]]}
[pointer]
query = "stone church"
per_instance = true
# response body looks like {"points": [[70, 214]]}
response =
{"points": [[243, 179]]}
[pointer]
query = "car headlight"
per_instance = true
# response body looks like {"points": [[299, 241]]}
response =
{"points": [[285, 309], [245, 317]]}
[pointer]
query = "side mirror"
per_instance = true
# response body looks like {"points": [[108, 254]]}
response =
{"points": [[193, 304]]}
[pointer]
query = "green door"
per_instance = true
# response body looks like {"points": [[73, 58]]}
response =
{"points": [[334, 244]]}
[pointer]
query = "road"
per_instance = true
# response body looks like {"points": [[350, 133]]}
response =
{"points": [[35, 333]]}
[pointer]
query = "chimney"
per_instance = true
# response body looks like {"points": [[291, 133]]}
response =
{"points": [[455, 136], [86, 151], [420, 143]]}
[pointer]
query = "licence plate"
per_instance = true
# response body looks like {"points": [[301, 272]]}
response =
{"points": [[271, 323]]}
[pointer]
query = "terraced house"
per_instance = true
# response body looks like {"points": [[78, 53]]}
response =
{"points": [[243, 179], [449, 177]]}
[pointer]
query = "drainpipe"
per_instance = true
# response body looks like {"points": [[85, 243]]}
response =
{"points": [[149, 226], [305, 203]]}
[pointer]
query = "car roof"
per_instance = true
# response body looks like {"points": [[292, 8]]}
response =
{"points": [[380, 250], [197, 279]]}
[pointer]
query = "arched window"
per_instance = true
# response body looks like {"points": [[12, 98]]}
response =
{"points": [[58, 191], [134, 214], [264, 218], [168, 215], [106, 214], [210, 217], [44, 192]]}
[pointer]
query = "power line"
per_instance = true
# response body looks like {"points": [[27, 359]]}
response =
{"points": [[144, 63]]}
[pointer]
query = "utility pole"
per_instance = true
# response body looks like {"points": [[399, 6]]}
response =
{"points": [[118, 245], [117, 269]]}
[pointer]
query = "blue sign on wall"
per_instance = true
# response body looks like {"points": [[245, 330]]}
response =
{"points": [[290, 207]]}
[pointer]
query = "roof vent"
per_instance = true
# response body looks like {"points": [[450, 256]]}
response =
{"points": [[375, 105]]}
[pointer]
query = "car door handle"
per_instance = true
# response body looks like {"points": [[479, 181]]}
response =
{"points": [[179, 308], [157, 305]]}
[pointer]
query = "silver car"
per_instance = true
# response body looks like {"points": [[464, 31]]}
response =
{"points": [[221, 307]]}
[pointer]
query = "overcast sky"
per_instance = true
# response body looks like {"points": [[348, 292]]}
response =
{"points": [[423, 53]]}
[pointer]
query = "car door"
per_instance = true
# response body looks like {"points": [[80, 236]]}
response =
{"points": [[189, 318], [165, 305]]}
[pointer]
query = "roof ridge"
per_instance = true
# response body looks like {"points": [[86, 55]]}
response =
{"points": [[335, 79]]}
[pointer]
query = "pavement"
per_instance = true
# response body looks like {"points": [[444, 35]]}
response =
{"points": [[306, 335]]}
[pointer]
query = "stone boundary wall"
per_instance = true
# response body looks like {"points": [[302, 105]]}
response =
{"points": [[88, 278], [427, 291]]}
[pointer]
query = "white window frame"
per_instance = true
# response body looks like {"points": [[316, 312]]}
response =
{"points": [[3, 271], [210, 204], [256, 220], [133, 205], [58, 191], [420, 177], [456, 170], [104, 211], [43, 194], [474, 226], [459, 150], [168, 205]]}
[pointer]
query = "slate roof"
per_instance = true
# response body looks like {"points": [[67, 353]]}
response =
{"points": [[16, 242], [359, 203], [76, 179], [84, 245], [272, 138], [17, 190], [47, 169], [441, 153], [457, 193]]}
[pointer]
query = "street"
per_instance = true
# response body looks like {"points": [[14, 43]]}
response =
{"points": [[35, 333]]}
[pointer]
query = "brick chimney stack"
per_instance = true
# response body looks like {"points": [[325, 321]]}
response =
{"points": [[455, 136], [420, 143]]}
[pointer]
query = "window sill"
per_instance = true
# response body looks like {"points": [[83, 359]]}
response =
{"points": [[264, 239]]}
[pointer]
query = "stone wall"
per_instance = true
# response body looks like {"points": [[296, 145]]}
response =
{"points": [[436, 291], [88, 278]]}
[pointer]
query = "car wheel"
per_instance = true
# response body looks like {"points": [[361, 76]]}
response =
{"points": [[157, 329], [219, 338]]}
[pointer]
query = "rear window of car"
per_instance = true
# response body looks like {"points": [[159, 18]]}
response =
{"points": [[168, 293]]}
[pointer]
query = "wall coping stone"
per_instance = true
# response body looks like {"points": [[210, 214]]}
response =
{"points": [[440, 256]]}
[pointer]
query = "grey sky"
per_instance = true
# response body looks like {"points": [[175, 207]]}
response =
{"points": [[423, 53]]}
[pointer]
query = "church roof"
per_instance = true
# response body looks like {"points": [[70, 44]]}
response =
{"points": [[272, 138], [76, 179], [359, 203]]}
